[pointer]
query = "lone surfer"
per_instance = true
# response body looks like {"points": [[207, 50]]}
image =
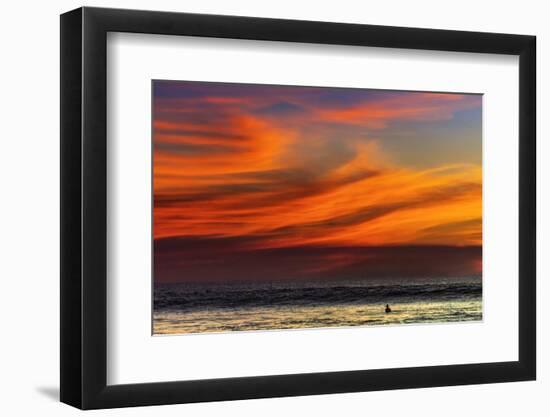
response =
{"points": [[388, 309]]}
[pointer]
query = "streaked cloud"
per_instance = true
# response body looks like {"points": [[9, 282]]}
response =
{"points": [[277, 168]]}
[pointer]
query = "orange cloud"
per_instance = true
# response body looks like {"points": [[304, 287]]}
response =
{"points": [[231, 173], [415, 106]]}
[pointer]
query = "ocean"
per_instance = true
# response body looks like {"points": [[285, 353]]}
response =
{"points": [[200, 308]]}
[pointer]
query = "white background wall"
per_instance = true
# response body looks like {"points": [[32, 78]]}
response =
{"points": [[29, 226]]}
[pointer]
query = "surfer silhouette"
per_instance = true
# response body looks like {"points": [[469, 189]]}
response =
{"points": [[388, 309]]}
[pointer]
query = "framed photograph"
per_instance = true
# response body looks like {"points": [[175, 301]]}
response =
{"points": [[258, 208]]}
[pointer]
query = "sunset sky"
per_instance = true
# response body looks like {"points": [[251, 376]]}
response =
{"points": [[262, 183]]}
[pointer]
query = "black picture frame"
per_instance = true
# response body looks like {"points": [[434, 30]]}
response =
{"points": [[84, 207]]}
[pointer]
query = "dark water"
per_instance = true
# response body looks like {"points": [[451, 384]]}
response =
{"points": [[188, 297], [191, 308]]}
